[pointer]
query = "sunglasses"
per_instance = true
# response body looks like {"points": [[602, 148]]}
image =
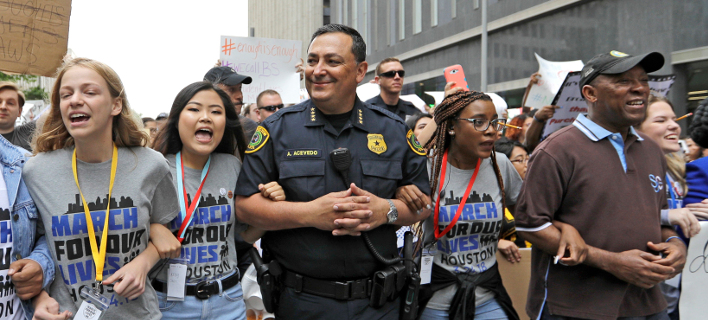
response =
{"points": [[272, 108], [391, 74]]}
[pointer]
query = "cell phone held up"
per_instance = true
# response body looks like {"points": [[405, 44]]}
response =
{"points": [[456, 75]]}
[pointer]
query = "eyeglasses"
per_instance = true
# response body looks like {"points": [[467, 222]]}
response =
{"points": [[272, 108], [483, 124], [521, 161], [391, 74]]}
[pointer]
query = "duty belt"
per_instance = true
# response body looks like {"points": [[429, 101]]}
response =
{"points": [[346, 290]]}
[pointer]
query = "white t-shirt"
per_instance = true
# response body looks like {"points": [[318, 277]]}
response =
{"points": [[10, 306]]}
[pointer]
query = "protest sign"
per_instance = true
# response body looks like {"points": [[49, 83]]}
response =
{"points": [[270, 62], [33, 35], [552, 75], [694, 278], [571, 102]]}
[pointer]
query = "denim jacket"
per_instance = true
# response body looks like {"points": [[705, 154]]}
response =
{"points": [[23, 216]]}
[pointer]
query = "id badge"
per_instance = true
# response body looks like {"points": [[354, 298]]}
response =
{"points": [[93, 305], [176, 279], [426, 264]]}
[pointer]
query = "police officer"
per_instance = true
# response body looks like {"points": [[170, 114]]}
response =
{"points": [[389, 77], [314, 235]]}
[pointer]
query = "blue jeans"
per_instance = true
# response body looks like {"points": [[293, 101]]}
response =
{"points": [[225, 306], [489, 310]]}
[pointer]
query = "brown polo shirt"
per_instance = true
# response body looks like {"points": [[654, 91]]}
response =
{"points": [[582, 182]]}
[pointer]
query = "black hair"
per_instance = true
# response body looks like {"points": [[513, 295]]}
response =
{"points": [[414, 119], [699, 125], [506, 146], [146, 120], [358, 45], [168, 141]]}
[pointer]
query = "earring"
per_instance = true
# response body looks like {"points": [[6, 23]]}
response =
{"points": [[452, 133]]}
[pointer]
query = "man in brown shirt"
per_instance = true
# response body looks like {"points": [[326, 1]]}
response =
{"points": [[575, 177]]}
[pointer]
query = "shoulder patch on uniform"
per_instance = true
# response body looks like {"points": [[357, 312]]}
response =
{"points": [[414, 144], [260, 137], [376, 143]]}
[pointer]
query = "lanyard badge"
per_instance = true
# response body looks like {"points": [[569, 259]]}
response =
{"points": [[94, 304], [187, 210], [177, 270], [438, 233]]}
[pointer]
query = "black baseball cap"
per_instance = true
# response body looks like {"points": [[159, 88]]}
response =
{"points": [[227, 76], [616, 62]]}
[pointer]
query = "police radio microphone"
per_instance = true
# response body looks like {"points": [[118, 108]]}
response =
{"points": [[342, 160]]}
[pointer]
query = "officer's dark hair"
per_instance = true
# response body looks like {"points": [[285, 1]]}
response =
{"points": [[445, 114], [699, 125], [358, 45], [411, 122], [506, 146], [168, 140]]}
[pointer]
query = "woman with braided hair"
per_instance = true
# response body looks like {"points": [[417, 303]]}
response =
{"points": [[471, 185]]}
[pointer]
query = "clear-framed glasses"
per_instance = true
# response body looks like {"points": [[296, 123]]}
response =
{"points": [[521, 161], [483, 124]]}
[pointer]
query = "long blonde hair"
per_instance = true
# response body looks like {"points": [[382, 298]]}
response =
{"points": [[675, 165], [54, 135]]}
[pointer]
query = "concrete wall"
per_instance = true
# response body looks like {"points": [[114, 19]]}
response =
{"points": [[291, 19]]}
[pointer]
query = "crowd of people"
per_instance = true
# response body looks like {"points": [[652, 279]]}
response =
{"points": [[106, 215]]}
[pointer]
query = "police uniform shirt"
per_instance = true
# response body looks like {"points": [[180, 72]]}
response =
{"points": [[404, 109], [292, 147]]}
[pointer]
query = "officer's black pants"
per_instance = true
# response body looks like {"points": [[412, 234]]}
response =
{"points": [[298, 306]]}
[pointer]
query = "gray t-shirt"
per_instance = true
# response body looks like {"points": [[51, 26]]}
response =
{"points": [[471, 246], [209, 239], [143, 193]]}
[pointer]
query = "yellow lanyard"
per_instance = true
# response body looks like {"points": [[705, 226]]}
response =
{"points": [[99, 257]]}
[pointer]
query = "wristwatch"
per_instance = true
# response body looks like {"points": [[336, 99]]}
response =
{"points": [[392, 214]]}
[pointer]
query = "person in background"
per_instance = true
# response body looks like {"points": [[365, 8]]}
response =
{"points": [[150, 126], [12, 99], [418, 122], [267, 103], [389, 77], [231, 82], [250, 112], [697, 170], [660, 125], [516, 152], [535, 128], [517, 134], [160, 120], [694, 150]]}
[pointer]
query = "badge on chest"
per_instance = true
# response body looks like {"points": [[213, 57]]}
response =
{"points": [[376, 143]]}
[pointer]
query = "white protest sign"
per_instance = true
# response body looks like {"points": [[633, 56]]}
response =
{"points": [[571, 102], [694, 278], [660, 85], [270, 62], [552, 75]]}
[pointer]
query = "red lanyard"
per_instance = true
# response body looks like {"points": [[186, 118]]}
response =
{"points": [[187, 209], [439, 234]]}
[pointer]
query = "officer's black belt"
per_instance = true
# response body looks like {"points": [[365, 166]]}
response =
{"points": [[346, 290], [205, 289]]}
